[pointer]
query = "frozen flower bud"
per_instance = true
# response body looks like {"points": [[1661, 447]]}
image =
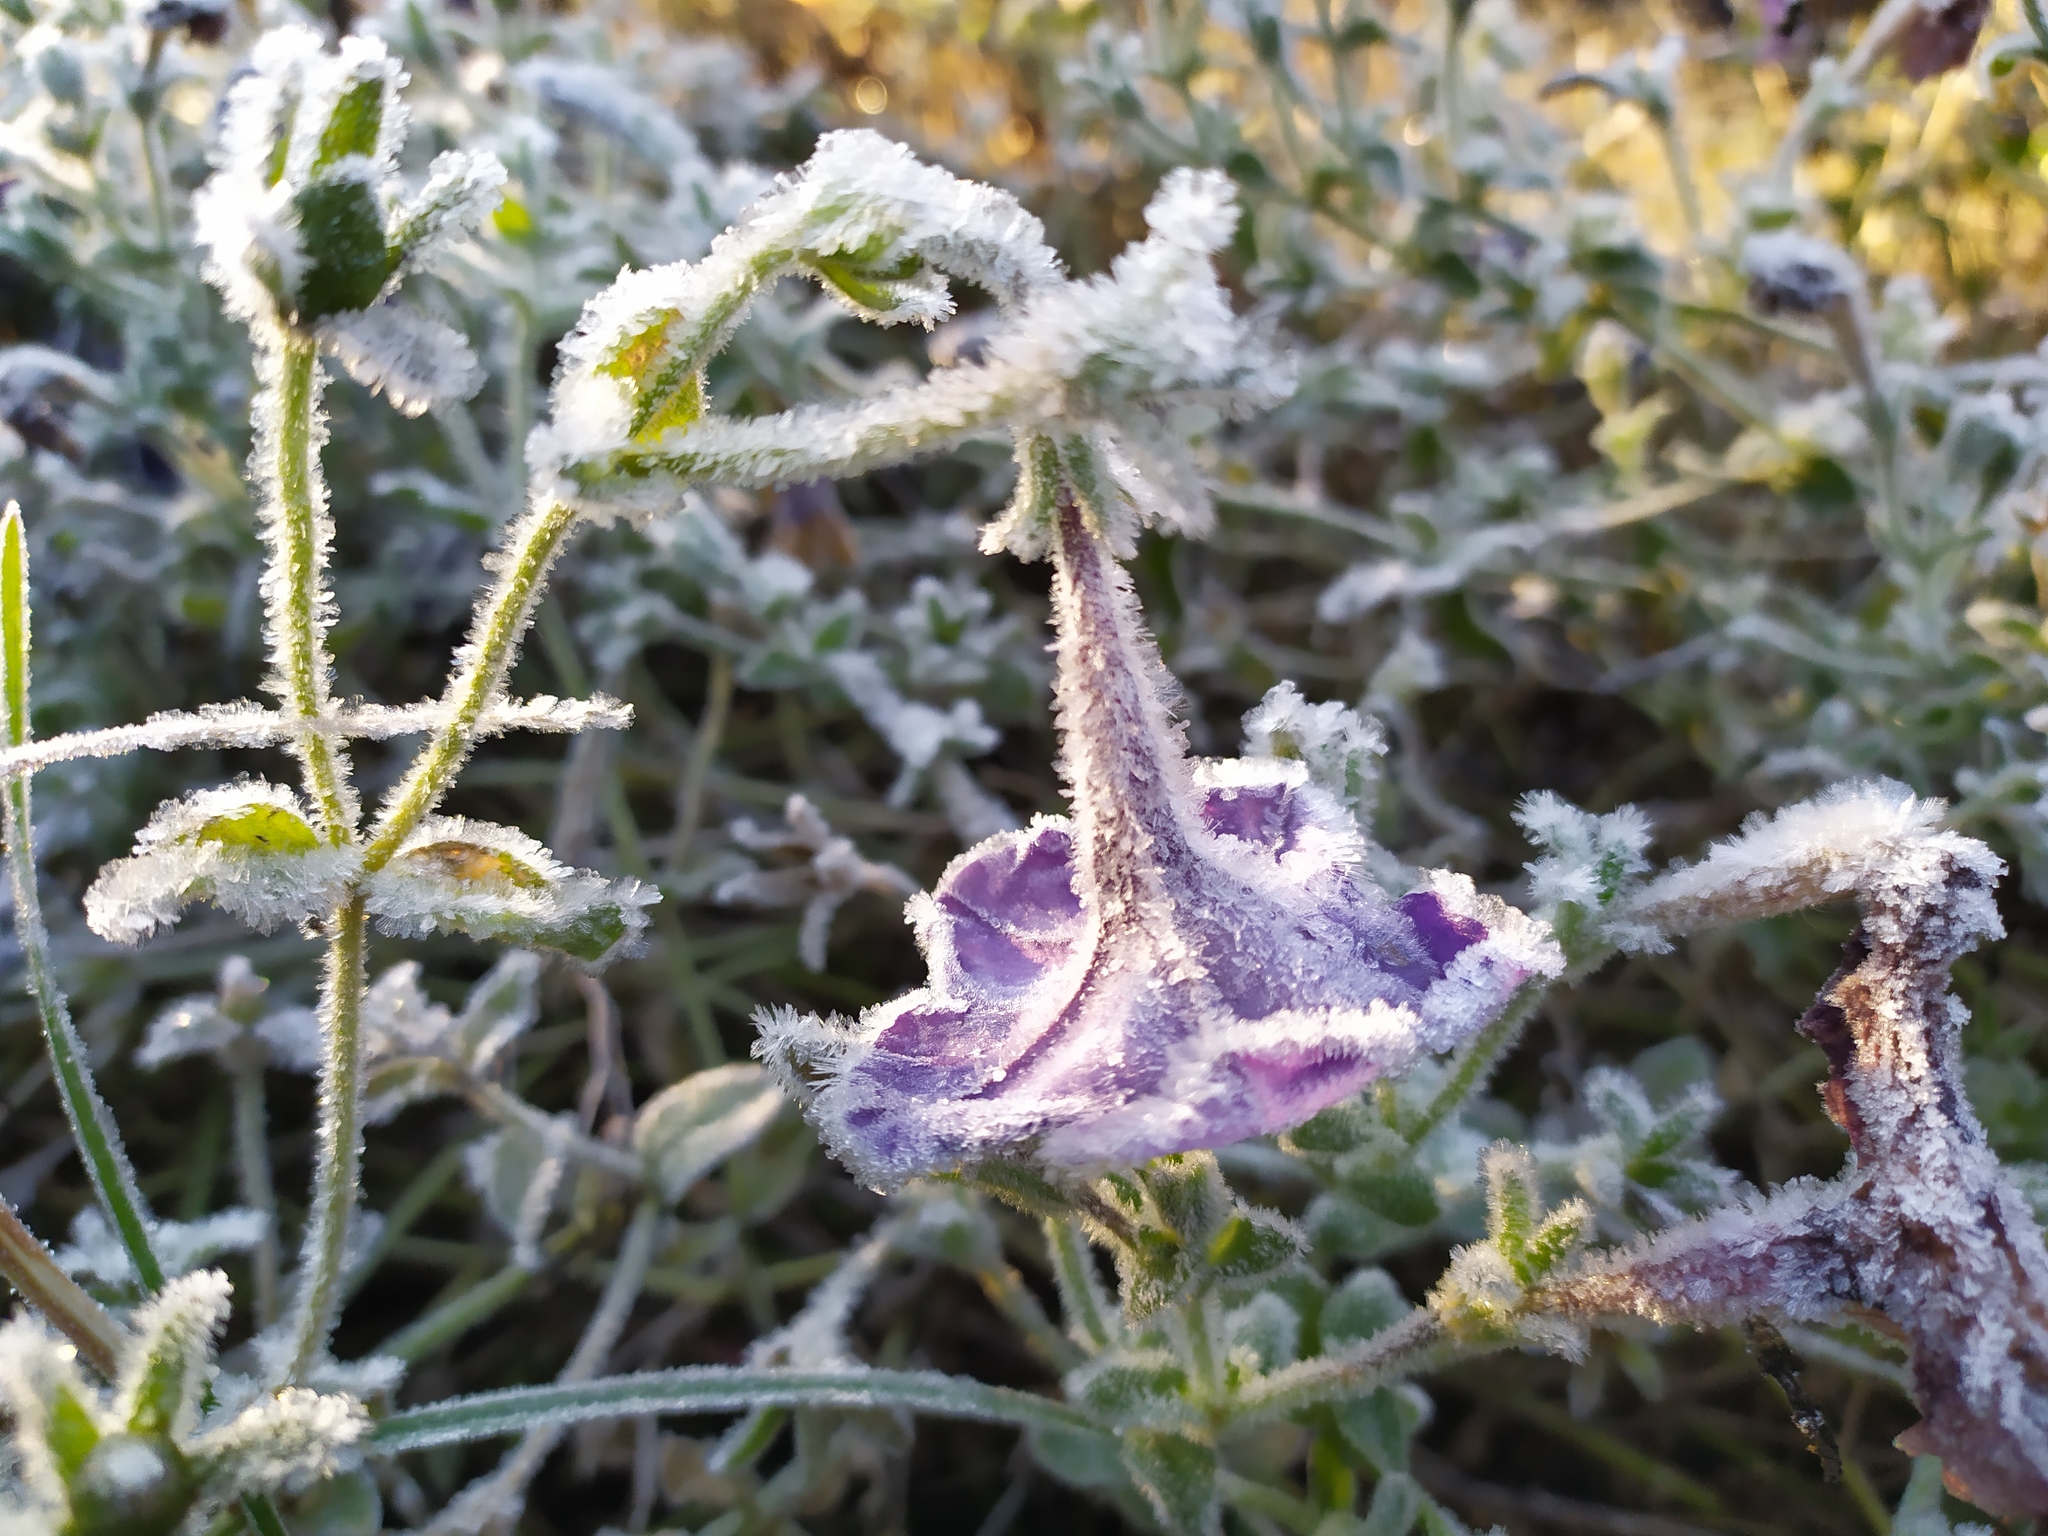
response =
{"points": [[248, 847], [452, 875], [233, 1025], [1193, 957], [306, 224], [146, 1459], [1791, 273]]}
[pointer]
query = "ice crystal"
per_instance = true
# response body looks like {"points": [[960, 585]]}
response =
{"points": [[831, 874], [1193, 957], [493, 882], [145, 1456], [248, 847]]}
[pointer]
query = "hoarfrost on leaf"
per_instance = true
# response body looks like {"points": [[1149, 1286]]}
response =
{"points": [[249, 847], [833, 872]]}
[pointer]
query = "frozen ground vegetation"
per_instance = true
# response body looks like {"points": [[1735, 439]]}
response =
{"points": [[737, 833]]}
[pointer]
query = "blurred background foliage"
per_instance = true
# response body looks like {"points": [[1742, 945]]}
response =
{"points": [[1570, 496]]}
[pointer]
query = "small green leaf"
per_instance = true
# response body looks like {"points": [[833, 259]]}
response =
{"points": [[1245, 1246], [260, 828], [132, 1485], [353, 127], [1381, 1424], [1395, 1188], [1556, 1240], [691, 1127], [1396, 1505], [1365, 1303], [876, 289], [1177, 1475], [341, 228], [71, 1432], [1134, 1387], [1080, 1458]]}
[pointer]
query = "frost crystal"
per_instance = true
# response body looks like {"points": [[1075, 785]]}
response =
{"points": [[1194, 957], [248, 847], [832, 874]]}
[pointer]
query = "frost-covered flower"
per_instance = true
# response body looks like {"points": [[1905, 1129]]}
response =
{"points": [[453, 875], [833, 872], [305, 222], [1192, 957], [145, 1457], [248, 847]]}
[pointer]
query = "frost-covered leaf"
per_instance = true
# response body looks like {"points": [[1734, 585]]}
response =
{"points": [[500, 1008], [1177, 1475], [414, 362], [692, 1126], [517, 1171], [493, 882], [97, 1252], [833, 873], [248, 847]]}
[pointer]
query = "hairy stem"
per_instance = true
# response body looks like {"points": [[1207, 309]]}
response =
{"points": [[1473, 1066], [300, 536], [339, 1152], [1416, 1342], [486, 659]]}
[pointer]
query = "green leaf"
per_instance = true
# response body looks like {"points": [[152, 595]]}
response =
{"points": [[717, 1389], [1367, 1301], [353, 127], [1080, 1458], [501, 1007], [1177, 1475], [691, 1127], [1556, 1240], [1396, 1504], [14, 623], [260, 828], [341, 228], [70, 1432], [1188, 1191], [1132, 1387], [1251, 1243], [1395, 1188], [19, 10], [1381, 1424]]}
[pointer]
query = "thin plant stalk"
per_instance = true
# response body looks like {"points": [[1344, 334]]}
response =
{"points": [[703, 752], [252, 1172], [40, 1281], [339, 1154], [499, 1495], [99, 1140]]}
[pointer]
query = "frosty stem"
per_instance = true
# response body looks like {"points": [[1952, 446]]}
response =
{"points": [[99, 1142], [301, 539], [252, 1171], [338, 1165], [501, 621]]}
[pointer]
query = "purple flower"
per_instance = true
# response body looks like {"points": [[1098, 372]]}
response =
{"points": [[1194, 957]]}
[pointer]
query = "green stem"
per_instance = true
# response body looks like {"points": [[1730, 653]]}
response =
{"points": [[252, 1169], [37, 1279], [1416, 1342], [301, 540], [1474, 1064], [718, 1389], [703, 751], [457, 1315], [339, 1153], [486, 660], [1073, 1268], [99, 1141]]}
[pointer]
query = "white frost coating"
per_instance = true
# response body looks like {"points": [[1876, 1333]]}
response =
{"points": [[275, 874], [288, 1441], [1341, 747], [460, 192], [1873, 838], [491, 881], [416, 363], [1797, 273], [1117, 358], [176, 1326], [244, 724], [831, 875], [96, 1251]]}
